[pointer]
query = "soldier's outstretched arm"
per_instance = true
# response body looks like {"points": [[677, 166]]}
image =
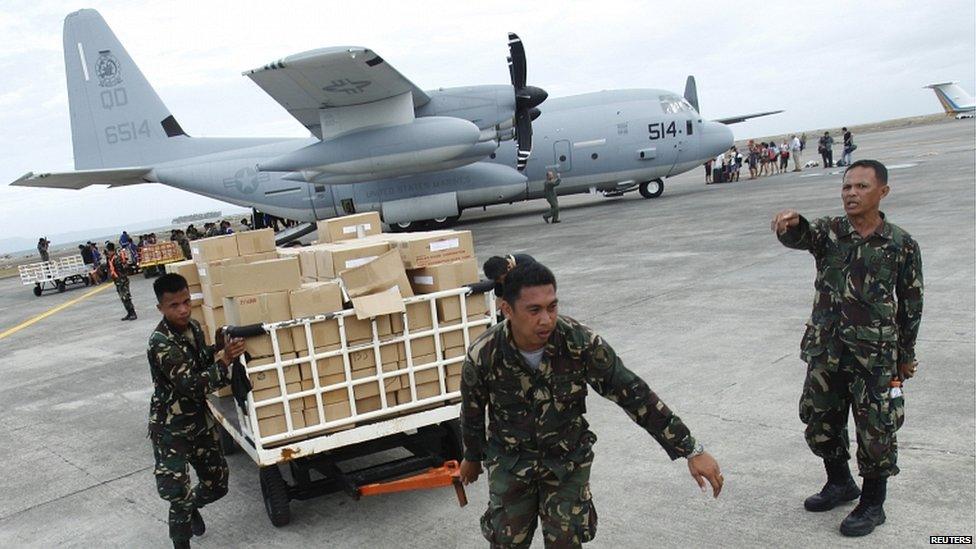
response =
{"points": [[606, 373], [794, 231], [909, 290], [178, 368], [474, 398]]}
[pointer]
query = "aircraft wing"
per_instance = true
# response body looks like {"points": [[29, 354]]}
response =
{"points": [[115, 177], [332, 78], [744, 117]]}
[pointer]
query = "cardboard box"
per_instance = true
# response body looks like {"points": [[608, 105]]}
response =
{"points": [[274, 392], [259, 277], [454, 352], [224, 391], [333, 412], [449, 308], [212, 273], [275, 425], [358, 331], [253, 242], [365, 359], [314, 299], [214, 316], [196, 295], [306, 261], [213, 295], [419, 318], [208, 335], [456, 337], [382, 303], [377, 275], [327, 367], [260, 256], [196, 313], [347, 227], [269, 378], [444, 276], [423, 249], [373, 403], [419, 347], [211, 249], [187, 269], [337, 396], [331, 259], [253, 309]]}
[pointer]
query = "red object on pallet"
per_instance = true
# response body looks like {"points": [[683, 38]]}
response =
{"points": [[448, 474]]}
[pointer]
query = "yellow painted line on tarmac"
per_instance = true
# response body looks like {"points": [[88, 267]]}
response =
{"points": [[50, 312]]}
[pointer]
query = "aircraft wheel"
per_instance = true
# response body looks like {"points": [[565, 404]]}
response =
{"points": [[61, 286], [651, 189], [443, 222], [404, 226]]}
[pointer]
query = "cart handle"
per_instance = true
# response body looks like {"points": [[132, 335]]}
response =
{"points": [[251, 330], [448, 474]]}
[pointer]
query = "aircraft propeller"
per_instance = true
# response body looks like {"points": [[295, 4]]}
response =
{"points": [[526, 99]]}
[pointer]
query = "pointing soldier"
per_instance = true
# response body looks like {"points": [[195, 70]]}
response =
{"points": [[532, 373], [184, 370], [116, 269], [860, 341]]}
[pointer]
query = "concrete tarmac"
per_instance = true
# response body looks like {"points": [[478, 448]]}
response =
{"points": [[691, 289]]}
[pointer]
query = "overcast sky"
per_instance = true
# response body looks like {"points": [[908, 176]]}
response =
{"points": [[826, 63]]}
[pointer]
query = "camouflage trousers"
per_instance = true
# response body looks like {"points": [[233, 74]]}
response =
{"points": [[831, 392], [553, 207], [124, 294], [521, 496], [173, 454]]}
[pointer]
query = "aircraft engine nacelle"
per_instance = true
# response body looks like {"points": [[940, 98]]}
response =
{"points": [[428, 141], [485, 106]]}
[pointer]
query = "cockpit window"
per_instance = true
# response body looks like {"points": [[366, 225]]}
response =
{"points": [[673, 104]]}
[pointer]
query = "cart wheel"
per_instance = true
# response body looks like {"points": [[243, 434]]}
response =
{"points": [[227, 442], [452, 446], [275, 493], [61, 286], [87, 281], [37, 290]]}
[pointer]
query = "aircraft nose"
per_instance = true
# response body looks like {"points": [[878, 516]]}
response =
{"points": [[716, 138]]}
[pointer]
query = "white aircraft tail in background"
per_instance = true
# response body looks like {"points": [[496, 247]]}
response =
{"points": [[954, 99]]}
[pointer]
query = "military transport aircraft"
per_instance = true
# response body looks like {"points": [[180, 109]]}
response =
{"points": [[378, 141]]}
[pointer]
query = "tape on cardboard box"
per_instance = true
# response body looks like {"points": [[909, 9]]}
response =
{"points": [[347, 227]]}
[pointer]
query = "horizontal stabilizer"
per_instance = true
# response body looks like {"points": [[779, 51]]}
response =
{"points": [[116, 177], [744, 117]]}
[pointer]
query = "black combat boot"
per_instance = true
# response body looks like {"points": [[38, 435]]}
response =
{"points": [[181, 544], [132, 313], [840, 488], [869, 511], [196, 522]]}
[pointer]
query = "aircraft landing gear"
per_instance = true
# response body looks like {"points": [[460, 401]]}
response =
{"points": [[404, 226], [443, 222], [651, 189]]}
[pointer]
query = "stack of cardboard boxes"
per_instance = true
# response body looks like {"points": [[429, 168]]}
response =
{"points": [[241, 279]]}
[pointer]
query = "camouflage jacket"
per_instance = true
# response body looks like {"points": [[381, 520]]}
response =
{"points": [[183, 373], [538, 414], [119, 265], [869, 291]]}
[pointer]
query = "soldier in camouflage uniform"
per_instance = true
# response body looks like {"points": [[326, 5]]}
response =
{"points": [[184, 370], [859, 342], [552, 181], [116, 269], [532, 372]]}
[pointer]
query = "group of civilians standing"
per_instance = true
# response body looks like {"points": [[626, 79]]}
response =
{"points": [[768, 158]]}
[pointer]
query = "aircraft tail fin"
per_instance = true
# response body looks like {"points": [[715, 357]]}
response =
{"points": [[691, 92], [953, 98], [117, 119]]}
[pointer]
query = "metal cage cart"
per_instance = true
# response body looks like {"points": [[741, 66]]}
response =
{"points": [[425, 423], [56, 274]]}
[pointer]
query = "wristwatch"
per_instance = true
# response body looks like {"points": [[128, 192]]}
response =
{"points": [[699, 450]]}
